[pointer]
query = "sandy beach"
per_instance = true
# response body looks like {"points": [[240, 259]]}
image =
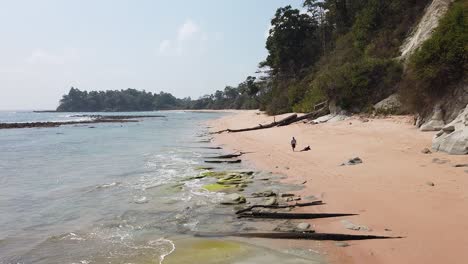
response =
{"points": [[397, 190]]}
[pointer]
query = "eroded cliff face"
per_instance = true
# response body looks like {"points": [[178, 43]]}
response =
{"points": [[423, 31]]}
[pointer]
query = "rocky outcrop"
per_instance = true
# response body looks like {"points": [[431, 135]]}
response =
{"points": [[436, 122], [453, 138], [336, 114], [391, 104], [233, 198], [455, 100]]}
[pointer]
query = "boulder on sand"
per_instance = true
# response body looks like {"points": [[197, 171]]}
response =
{"points": [[436, 122], [353, 161], [390, 104], [453, 138]]}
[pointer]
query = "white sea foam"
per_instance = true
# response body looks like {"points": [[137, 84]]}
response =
{"points": [[140, 200]]}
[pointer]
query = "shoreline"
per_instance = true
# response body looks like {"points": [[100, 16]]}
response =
{"points": [[397, 191]]}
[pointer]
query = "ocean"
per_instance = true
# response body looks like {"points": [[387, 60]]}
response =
{"points": [[114, 193]]}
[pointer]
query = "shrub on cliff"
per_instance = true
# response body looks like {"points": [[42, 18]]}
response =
{"points": [[440, 62]]}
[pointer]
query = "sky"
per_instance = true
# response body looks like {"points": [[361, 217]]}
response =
{"points": [[187, 48]]}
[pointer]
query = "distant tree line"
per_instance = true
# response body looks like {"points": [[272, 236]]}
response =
{"points": [[244, 96]]}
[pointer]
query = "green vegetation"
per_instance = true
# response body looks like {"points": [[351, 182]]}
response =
{"points": [[351, 46], [440, 62], [339, 50]]}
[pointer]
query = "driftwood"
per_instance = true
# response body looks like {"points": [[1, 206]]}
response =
{"points": [[290, 215], [311, 115], [279, 206], [284, 122], [223, 161], [298, 235]]}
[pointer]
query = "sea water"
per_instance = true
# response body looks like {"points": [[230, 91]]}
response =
{"points": [[107, 193]]}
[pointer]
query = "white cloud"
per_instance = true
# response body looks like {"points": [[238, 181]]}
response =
{"points": [[189, 34], [187, 30], [164, 47], [41, 56]]}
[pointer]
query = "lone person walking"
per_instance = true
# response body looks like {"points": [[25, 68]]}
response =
{"points": [[293, 144]]}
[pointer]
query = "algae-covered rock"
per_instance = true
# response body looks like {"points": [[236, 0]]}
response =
{"points": [[233, 198], [267, 193], [215, 174], [271, 201]]}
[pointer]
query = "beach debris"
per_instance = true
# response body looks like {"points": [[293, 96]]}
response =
{"points": [[341, 244], [304, 182], [426, 151], [429, 183], [223, 161], [291, 215], [303, 226], [210, 147], [298, 235], [353, 161], [233, 198], [440, 161], [283, 122], [279, 206], [349, 225], [461, 165], [287, 195]]}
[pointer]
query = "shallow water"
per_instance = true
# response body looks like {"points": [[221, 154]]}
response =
{"points": [[75, 194]]}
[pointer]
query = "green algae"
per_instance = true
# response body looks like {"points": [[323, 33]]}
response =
{"points": [[207, 252], [215, 174], [216, 187]]}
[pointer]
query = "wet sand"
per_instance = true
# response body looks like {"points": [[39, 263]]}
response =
{"points": [[396, 191]]}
